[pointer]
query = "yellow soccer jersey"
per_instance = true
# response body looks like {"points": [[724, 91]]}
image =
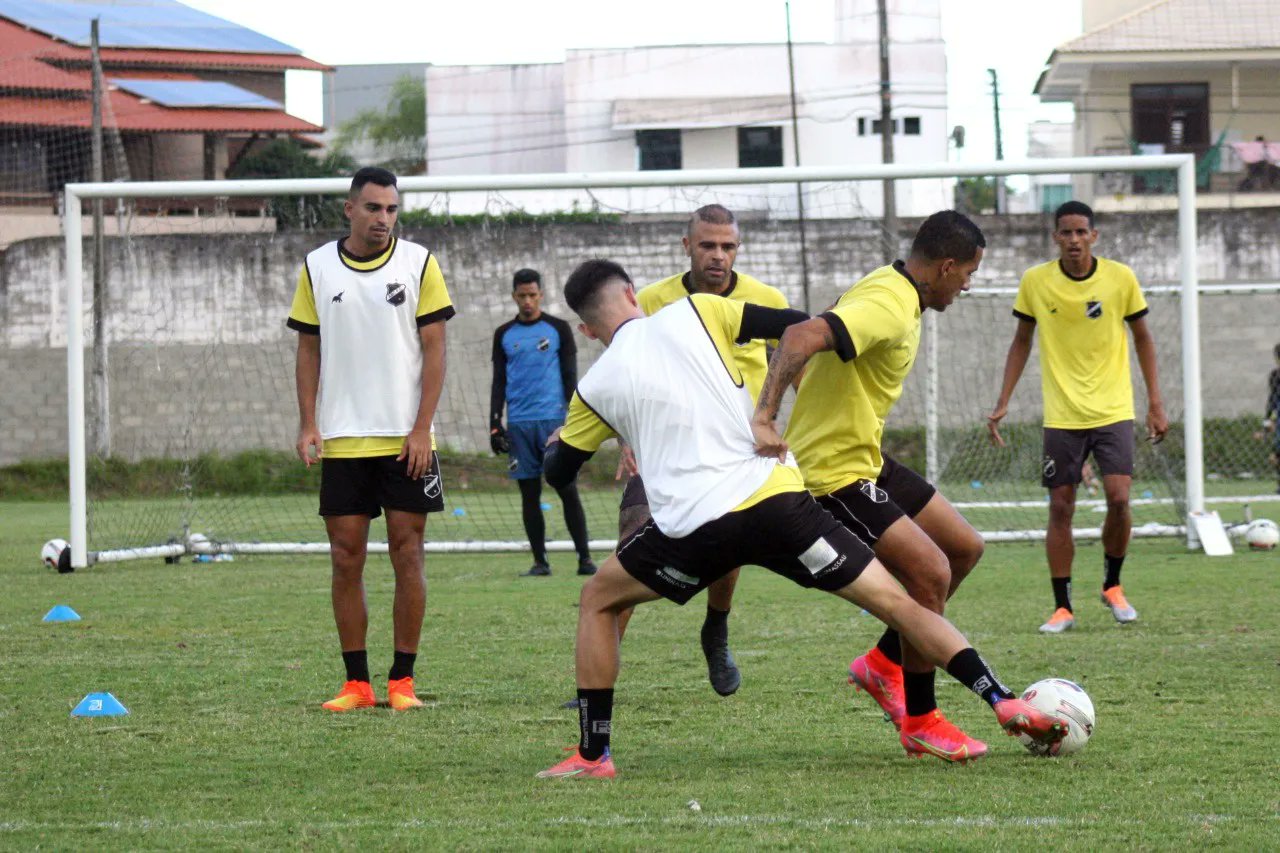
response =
{"points": [[752, 357], [433, 304], [846, 394], [1084, 350]]}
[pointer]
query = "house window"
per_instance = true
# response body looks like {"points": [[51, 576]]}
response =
{"points": [[759, 146], [1169, 117], [909, 126], [658, 149]]}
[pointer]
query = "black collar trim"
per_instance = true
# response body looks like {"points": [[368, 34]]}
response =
{"points": [[687, 281], [1093, 268]]}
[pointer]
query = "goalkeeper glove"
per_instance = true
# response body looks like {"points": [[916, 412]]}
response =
{"points": [[498, 441]]}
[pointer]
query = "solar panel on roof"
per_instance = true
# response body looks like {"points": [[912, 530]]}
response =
{"points": [[196, 93], [139, 23]]}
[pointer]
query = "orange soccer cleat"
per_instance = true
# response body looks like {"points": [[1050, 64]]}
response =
{"points": [[577, 767], [933, 734], [1019, 717], [1061, 620], [400, 695], [1119, 605], [354, 694], [881, 678]]}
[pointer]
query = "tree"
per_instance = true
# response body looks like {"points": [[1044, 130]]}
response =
{"points": [[977, 195], [286, 158], [398, 132]]}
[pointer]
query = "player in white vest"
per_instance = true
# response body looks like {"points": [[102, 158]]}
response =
{"points": [[370, 311], [668, 385]]}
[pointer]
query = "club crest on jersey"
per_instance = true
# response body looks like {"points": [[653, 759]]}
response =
{"points": [[873, 492], [1093, 310], [544, 344], [395, 293]]}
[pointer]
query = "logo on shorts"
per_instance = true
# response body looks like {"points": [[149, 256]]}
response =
{"points": [[395, 293], [1093, 310], [821, 557], [431, 485], [873, 493], [513, 464], [544, 344], [1048, 467], [677, 577]]}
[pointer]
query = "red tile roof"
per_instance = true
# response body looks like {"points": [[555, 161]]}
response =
{"points": [[31, 63], [129, 113]]}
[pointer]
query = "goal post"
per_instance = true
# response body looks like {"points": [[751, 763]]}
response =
{"points": [[77, 194]]}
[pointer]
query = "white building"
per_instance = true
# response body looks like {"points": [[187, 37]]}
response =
{"points": [[1047, 139], [703, 107]]}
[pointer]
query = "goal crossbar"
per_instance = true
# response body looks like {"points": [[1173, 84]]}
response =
{"points": [[77, 193]]}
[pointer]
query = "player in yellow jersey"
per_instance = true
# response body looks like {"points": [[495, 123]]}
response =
{"points": [[711, 242], [1080, 304], [858, 354], [669, 385], [370, 312]]}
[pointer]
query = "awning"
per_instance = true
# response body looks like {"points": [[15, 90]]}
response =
{"points": [[687, 113]]}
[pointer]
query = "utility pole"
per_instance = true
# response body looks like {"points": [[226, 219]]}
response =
{"points": [[101, 390], [795, 143], [886, 139], [1001, 202]]}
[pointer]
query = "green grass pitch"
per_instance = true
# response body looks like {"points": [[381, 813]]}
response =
{"points": [[223, 667]]}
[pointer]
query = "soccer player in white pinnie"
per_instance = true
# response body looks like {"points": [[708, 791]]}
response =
{"points": [[1080, 304], [711, 241], [721, 494], [370, 313]]}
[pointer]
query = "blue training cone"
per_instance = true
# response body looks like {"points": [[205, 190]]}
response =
{"points": [[99, 705], [61, 613], [546, 507], [459, 512]]}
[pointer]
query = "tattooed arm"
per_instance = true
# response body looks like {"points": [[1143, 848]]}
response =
{"points": [[797, 346]]}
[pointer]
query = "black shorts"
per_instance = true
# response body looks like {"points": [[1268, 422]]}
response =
{"points": [[368, 485], [633, 494], [788, 534], [906, 488], [1066, 449], [865, 508]]}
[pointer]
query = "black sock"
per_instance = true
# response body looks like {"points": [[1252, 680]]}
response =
{"points": [[890, 645], [919, 689], [1062, 592], [357, 664], [595, 718], [1113, 565], [715, 628], [402, 665], [576, 520], [535, 526], [968, 668]]}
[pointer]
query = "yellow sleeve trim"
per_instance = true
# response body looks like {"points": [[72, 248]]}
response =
{"points": [[433, 295], [304, 300]]}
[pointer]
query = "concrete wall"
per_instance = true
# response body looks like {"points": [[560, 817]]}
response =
{"points": [[200, 358]]}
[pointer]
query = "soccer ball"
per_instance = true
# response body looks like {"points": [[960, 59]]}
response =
{"points": [[1067, 701], [51, 555], [1262, 535]]}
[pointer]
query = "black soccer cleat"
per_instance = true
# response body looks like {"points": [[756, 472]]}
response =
{"points": [[537, 570], [722, 670], [586, 567]]}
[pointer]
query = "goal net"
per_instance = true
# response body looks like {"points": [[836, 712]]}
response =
{"points": [[181, 397]]}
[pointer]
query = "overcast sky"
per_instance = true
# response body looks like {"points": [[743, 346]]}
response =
{"points": [[1013, 36]]}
